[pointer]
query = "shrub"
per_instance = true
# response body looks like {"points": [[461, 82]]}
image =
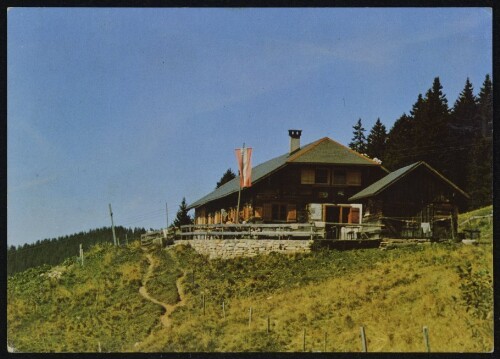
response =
{"points": [[477, 290]]}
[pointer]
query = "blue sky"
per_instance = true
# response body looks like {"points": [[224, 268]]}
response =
{"points": [[139, 107]]}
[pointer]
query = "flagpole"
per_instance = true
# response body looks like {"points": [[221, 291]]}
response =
{"points": [[237, 219]]}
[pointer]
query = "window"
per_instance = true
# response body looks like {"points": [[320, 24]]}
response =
{"points": [[307, 176], [339, 177], [321, 176], [354, 178], [279, 212]]}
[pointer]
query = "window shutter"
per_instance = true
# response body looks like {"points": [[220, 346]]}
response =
{"points": [[307, 176], [267, 212], [291, 213], [354, 215]]}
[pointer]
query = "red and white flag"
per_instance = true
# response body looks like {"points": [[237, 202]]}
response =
{"points": [[244, 158]]}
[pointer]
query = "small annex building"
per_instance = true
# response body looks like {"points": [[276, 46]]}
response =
{"points": [[415, 201], [327, 182]]}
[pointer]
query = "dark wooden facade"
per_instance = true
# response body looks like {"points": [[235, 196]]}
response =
{"points": [[421, 203], [284, 195], [343, 186]]}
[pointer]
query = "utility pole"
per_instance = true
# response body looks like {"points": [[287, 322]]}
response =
{"points": [[112, 224]]}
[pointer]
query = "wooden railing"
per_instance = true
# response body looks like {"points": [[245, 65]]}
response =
{"points": [[276, 230], [489, 216], [148, 238]]}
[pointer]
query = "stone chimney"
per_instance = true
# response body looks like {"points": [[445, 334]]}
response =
{"points": [[294, 140]]}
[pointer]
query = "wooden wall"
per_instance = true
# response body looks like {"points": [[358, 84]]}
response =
{"points": [[284, 195], [419, 197]]}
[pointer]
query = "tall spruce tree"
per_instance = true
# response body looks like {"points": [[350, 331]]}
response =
{"points": [[358, 142], [430, 118], [461, 136], [480, 173], [376, 141], [397, 152], [484, 118], [464, 110], [182, 218]]}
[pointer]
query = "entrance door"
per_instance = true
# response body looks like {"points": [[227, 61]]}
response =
{"points": [[332, 214]]}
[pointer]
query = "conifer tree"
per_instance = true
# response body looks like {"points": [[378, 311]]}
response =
{"points": [[480, 171], [461, 136], [182, 218], [464, 110], [399, 143], [431, 118], [358, 142], [484, 118], [376, 141], [226, 177]]}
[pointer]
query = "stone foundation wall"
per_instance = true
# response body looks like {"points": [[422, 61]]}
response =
{"points": [[230, 248]]}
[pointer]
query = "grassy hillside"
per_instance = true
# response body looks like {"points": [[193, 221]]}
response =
{"points": [[56, 250], [392, 294], [73, 308], [483, 224]]}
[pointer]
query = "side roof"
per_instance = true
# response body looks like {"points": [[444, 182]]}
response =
{"points": [[393, 177], [324, 150]]}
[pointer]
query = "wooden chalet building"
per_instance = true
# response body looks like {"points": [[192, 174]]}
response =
{"points": [[323, 171], [415, 201], [327, 182]]}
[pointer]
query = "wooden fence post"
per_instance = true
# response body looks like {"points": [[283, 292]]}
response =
{"points": [[363, 340], [324, 344], [81, 254], [304, 340], [426, 339]]}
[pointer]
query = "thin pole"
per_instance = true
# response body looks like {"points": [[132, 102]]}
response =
{"points": [[268, 325], [324, 344], [81, 254], [237, 220], [223, 310], [363, 340], [112, 224], [426, 339], [304, 340], [166, 210]]}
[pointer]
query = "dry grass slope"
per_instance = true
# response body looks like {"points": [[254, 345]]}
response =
{"points": [[392, 294]]}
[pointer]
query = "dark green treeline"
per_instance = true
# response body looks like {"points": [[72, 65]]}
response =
{"points": [[457, 140], [54, 251]]}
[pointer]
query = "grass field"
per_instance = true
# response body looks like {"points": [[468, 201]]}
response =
{"points": [[391, 293]]}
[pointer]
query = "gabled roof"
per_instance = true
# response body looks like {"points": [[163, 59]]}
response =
{"points": [[393, 177], [324, 150], [233, 186]]}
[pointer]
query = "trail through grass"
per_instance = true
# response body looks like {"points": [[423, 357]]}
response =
{"points": [[392, 294]]}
